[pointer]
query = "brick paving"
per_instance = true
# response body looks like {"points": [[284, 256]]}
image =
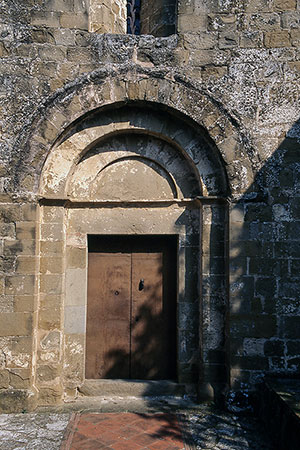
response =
{"points": [[124, 431]]}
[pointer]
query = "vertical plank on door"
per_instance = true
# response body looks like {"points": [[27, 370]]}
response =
{"points": [[149, 360], [108, 316]]}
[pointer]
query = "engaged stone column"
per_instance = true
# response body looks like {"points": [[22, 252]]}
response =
{"points": [[107, 16]]}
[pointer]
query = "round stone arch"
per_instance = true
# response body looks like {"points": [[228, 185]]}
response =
{"points": [[109, 87], [198, 152], [217, 154], [189, 203]]}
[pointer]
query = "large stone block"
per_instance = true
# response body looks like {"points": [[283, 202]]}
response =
{"points": [[20, 284], [274, 347], [19, 378], [256, 326], [228, 40], [258, 6], [284, 5], [290, 327], [250, 362], [71, 20], [25, 230], [75, 319], [24, 303], [51, 284], [51, 248], [76, 282], [21, 345], [76, 257], [50, 395], [4, 379], [59, 5], [17, 400], [74, 345], [29, 212], [50, 318], [10, 213], [51, 265], [44, 18], [277, 39], [6, 303], [52, 214], [50, 301], [191, 22], [26, 264], [15, 324], [46, 373]]}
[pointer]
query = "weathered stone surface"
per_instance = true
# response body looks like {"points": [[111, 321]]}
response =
{"points": [[92, 117], [19, 378], [47, 373], [4, 379], [43, 431], [16, 400], [50, 395], [16, 324]]}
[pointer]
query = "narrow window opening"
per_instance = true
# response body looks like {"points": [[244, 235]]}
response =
{"points": [[154, 17], [133, 17]]}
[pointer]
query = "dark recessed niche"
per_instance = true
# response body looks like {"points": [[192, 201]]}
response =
{"points": [[154, 17]]}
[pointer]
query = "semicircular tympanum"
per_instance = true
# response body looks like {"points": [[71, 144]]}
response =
{"points": [[132, 179]]}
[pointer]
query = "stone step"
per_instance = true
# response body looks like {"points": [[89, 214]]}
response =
{"points": [[132, 388]]}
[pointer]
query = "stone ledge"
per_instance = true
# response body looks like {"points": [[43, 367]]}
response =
{"points": [[125, 388], [17, 400]]}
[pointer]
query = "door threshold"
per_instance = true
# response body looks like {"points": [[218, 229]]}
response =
{"points": [[132, 388]]}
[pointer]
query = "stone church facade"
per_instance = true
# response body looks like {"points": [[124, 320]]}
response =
{"points": [[186, 133]]}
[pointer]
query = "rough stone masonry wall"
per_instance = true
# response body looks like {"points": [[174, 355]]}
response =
{"points": [[243, 56], [107, 16]]}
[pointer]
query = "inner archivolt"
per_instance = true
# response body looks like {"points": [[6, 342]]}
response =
{"points": [[133, 167]]}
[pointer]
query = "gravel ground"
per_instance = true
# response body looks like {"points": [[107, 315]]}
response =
{"points": [[209, 428], [32, 431]]}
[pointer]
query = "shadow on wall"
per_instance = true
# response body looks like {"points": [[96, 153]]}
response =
{"points": [[263, 321], [265, 271]]}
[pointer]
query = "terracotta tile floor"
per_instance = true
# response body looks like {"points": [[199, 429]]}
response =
{"points": [[123, 431]]}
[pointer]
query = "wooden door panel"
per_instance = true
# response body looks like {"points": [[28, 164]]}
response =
{"points": [[108, 316], [147, 334], [131, 315]]}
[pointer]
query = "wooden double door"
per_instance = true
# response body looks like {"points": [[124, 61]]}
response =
{"points": [[131, 313]]}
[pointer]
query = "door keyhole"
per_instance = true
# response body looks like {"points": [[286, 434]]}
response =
{"points": [[141, 285]]}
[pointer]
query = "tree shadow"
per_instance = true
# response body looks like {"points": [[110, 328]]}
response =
{"points": [[252, 283], [264, 270]]}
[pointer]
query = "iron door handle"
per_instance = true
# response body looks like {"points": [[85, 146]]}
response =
{"points": [[142, 284]]}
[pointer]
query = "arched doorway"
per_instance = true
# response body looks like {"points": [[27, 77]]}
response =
{"points": [[138, 173]]}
